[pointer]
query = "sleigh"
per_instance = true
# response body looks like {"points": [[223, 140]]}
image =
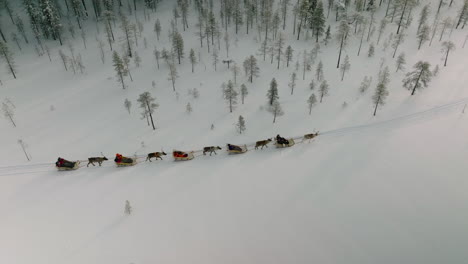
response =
{"points": [[181, 155], [127, 162], [242, 149], [75, 167], [290, 144]]}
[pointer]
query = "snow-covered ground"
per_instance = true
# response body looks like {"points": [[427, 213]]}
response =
{"points": [[384, 189]]}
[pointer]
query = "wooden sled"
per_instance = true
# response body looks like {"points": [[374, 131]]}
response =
{"points": [[188, 157], [122, 164], [290, 144], [243, 150], [77, 165]]}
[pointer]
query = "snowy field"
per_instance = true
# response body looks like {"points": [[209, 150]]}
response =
{"points": [[390, 188]]}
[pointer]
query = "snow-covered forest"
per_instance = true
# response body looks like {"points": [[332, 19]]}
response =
{"points": [[382, 82]]}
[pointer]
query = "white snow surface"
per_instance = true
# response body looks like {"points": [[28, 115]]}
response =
{"points": [[391, 191]]}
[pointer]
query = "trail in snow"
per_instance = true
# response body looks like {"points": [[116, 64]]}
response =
{"points": [[22, 169]]}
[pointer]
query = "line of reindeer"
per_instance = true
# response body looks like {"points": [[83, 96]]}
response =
{"points": [[211, 149]]}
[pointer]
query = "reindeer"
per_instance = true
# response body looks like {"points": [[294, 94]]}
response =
{"points": [[310, 136], [210, 149], [99, 160], [262, 143], [156, 155]]}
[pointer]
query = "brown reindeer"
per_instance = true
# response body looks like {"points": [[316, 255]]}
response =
{"points": [[156, 155], [262, 143], [210, 149], [99, 160], [310, 136]]}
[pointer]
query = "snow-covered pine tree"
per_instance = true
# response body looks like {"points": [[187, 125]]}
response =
{"points": [[127, 31], [8, 109], [188, 108], [382, 26], [423, 16], [119, 68], [288, 54], [251, 68], [137, 59], [365, 84], [312, 85], [148, 105], [279, 45], [7, 55], [20, 27], [319, 71], [419, 78], [327, 36], [371, 51], [342, 34], [215, 58], [244, 92], [157, 28], [276, 110], [462, 14], [311, 102], [423, 35], [323, 89], [317, 21], [400, 62], [178, 45], [272, 93], [381, 91], [173, 75], [230, 95], [235, 72], [292, 83], [447, 46], [50, 20], [128, 105], [193, 59], [345, 66], [128, 208], [379, 96], [241, 124], [397, 41]]}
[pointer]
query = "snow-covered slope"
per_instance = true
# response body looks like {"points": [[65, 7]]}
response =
{"points": [[390, 191]]}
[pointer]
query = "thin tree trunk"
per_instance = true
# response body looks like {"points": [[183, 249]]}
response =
{"points": [[25, 152], [416, 84], [446, 57], [376, 105], [401, 18], [339, 56], [151, 116]]}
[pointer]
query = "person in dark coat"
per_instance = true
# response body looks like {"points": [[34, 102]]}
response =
{"points": [[234, 147], [281, 140]]}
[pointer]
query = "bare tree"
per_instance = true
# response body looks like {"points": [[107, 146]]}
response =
{"points": [[148, 105], [323, 89], [7, 55], [23, 147], [276, 110], [8, 109], [173, 75]]}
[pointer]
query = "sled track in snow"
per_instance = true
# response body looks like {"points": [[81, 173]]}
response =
{"points": [[45, 167]]}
